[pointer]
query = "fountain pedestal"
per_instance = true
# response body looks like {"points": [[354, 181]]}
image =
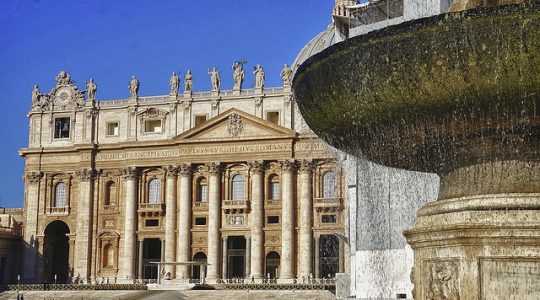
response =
{"points": [[457, 95]]}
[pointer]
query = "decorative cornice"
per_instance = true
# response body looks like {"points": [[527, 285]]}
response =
{"points": [[213, 168], [257, 166], [288, 165], [185, 170], [172, 171], [34, 177], [130, 173], [85, 175], [306, 166]]}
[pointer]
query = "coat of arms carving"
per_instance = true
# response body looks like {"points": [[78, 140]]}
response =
{"points": [[235, 125]]}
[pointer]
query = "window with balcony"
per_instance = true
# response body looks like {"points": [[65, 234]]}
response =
{"points": [[329, 185], [202, 190], [110, 194], [60, 195], [273, 188], [237, 187], [154, 191]]}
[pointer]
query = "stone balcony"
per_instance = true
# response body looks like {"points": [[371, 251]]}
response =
{"points": [[272, 203], [64, 210], [328, 204], [236, 206], [151, 209], [200, 206]]}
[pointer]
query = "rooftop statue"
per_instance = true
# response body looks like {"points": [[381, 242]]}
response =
{"points": [[174, 82], [188, 81], [286, 75], [215, 79], [259, 76], [238, 74], [35, 95], [133, 87], [63, 78], [91, 89]]}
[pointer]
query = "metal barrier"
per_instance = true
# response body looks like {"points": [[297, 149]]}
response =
{"points": [[75, 287]]}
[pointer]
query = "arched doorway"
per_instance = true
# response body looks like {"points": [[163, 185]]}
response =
{"points": [[56, 252], [196, 270], [329, 256], [272, 264]]}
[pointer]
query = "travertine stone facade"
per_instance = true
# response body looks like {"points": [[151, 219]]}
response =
{"points": [[230, 177]]}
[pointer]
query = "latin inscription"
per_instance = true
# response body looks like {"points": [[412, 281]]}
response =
{"points": [[172, 153]]}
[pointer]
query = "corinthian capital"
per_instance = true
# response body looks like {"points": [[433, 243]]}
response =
{"points": [[85, 175], [185, 170], [257, 166], [130, 173], [306, 166], [34, 177], [172, 171], [288, 165], [213, 168]]}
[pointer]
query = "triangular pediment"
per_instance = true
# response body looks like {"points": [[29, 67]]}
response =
{"points": [[235, 124]]}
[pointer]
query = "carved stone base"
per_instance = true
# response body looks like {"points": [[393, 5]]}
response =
{"points": [[477, 247]]}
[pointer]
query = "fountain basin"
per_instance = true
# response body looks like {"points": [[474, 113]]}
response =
{"points": [[434, 94]]}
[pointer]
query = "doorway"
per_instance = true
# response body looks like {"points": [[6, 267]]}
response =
{"points": [[196, 270], [272, 265], [329, 256], [56, 252], [151, 253], [236, 255]]}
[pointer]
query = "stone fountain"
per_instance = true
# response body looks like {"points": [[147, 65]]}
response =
{"points": [[457, 95]]}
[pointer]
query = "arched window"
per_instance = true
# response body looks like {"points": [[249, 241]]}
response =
{"points": [[202, 190], [60, 195], [110, 193], [154, 191], [329, 185], [237, 187], [108, 256], [273, 188]]}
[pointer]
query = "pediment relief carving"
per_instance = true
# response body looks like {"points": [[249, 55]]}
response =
{"points": [[152, 113], [236, 125]]}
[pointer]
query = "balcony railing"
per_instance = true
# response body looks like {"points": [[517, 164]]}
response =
{"points": [[272, 202], [236, 206], [200, 205], [151, 209], [111, 207], [64, 210], [328, 204]]}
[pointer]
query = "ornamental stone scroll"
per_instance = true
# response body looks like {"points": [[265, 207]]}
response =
{"points": [[213, 168], [130, 173], [288, 165], [172, 171], [306, 166], [185, 170], [257, 166], [34, 177], [85, 175]]}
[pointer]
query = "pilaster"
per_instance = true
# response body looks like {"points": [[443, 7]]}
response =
{"points": [[256, 220], [183, 253], [214, 219], [83, 240], [287, 223], [170, 219], [306, 219], [32, 181], [130, 176]]}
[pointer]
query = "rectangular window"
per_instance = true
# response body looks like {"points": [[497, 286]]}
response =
{"points": [[152, 126], [61, 128], [329, 218], [152, 223], [200, 221], [200, 120], [112, 129], [272, 116], [272, 220]]}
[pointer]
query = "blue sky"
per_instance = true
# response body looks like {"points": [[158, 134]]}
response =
{"points": [[111, 40]]}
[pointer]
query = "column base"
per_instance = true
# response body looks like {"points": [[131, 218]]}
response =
{"points": [[477, 247]]}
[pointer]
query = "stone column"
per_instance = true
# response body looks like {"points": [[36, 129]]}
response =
{"points": [[71, 255], [127, 270], [170, 219], [214, 219], [224, 257], [248, 256], [83, 238], [306, 220], [317, 255], [256, 220], [183, 252], [32, 182], [140, 259], [287, 220]]}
